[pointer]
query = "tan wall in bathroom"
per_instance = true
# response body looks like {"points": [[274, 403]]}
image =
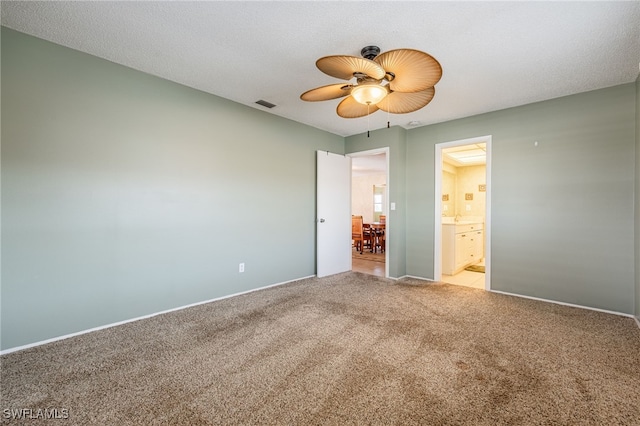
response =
{"points": [[459, 181], [449, 192], [467, 182]]}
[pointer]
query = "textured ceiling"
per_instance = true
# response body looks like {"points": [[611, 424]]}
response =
{"points": [[494, 55]]}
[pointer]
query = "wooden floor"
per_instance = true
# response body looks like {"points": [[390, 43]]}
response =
{"points": [[371, 267]]}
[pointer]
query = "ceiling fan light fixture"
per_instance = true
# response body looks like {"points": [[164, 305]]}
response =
{"points": [[398, 81], [368, 94]]}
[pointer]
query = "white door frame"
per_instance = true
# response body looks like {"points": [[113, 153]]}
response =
{"points": [[376, 151], [437, 257]]}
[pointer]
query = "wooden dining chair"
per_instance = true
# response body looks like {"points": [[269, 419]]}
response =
{"points": [[368, 236], [357, 234], [381, 234]]}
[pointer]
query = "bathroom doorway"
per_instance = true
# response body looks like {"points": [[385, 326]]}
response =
{"points": [[463, 212]]}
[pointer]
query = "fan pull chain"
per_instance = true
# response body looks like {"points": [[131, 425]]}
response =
{"points": [[368, 119]]}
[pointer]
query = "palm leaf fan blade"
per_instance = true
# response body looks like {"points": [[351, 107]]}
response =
{"points": [[412, 69], [344, 67], [402, 103], [325, 93], [349, 108]]}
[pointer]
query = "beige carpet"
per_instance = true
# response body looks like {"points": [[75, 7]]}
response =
{"points": [[348, 349]]}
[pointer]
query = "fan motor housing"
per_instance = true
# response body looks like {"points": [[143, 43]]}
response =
{"points": [[370, 52]]}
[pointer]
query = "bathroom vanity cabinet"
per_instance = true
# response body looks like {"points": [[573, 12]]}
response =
{"points": [[462, 245]]}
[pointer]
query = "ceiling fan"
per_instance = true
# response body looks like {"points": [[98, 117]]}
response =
{"points": [[398, 81]]}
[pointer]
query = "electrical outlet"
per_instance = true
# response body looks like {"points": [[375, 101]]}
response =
{"points": [[241, 267]]}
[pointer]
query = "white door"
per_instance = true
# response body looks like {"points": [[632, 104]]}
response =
{"points": [[333, 208]]}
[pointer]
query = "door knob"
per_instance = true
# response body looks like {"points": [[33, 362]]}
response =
{"points": [[321, 220]]}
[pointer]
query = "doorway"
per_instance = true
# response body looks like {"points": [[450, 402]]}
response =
{"points": [[370, 199], [463, 212]]}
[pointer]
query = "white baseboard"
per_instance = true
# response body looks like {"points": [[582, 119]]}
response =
{"points": [[537, 298], [102, 327], [415, 277], [564, 303], [67, 336]]}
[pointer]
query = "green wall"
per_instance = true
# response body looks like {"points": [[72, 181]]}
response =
{"points": [[562, 212], [395, 139], [637, 199], [124, 194]]}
